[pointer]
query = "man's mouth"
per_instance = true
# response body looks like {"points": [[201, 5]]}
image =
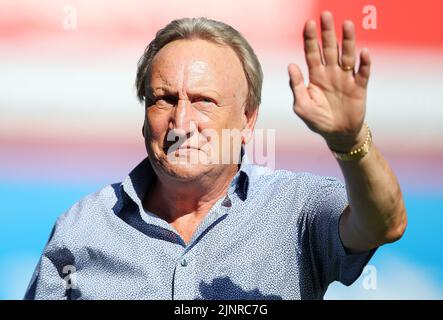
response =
{"points": [[172, 148], [188, 147]]}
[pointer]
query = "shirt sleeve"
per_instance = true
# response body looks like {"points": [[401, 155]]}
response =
{"points": [[330, 259], [47, 282]]}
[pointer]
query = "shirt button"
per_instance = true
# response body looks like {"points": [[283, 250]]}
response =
{"points": [[184, 263]]}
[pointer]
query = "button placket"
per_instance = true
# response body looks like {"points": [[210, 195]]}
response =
{"points": [[184, 278]]}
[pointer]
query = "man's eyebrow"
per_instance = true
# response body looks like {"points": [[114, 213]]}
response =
{"points": [[163, 87], [203, 91], [193, 92], [163, 90]]}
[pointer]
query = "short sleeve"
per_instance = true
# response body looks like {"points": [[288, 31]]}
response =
{"points": [[331, 262], [47, 281]]}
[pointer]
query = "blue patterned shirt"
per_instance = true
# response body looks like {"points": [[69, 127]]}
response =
{"points": [[274, 235]]}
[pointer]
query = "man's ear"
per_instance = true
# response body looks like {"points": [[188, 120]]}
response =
{"points": [[250, 118]]}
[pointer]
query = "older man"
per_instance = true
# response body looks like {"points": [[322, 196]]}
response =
{"points": [[186, 225]]}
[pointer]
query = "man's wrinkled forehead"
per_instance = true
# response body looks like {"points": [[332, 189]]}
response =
{"points": [[186, 64], [183, 73]]}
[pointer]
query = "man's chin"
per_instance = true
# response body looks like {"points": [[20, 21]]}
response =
{"points": [[185, 167], [185, 171]]}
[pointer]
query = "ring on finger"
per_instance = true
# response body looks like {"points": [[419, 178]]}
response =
{"points": [[347, 68]]}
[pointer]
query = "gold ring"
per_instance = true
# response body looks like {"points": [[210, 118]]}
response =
{"points": [[347, 68]]}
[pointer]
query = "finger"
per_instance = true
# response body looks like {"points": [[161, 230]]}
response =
{"points": [[362, 76], [299, 91], [329, 40], [312, 49], [348, 45]]}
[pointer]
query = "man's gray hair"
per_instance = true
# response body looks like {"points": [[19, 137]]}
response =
{"points": [[210, 30]]}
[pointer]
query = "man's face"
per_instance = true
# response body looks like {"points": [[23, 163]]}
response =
{"points": [[195, 110]]}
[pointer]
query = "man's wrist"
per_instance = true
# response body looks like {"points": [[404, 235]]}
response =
{"points": [[347, 143], [358, 150]]}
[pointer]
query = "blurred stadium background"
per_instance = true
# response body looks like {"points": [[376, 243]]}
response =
{"points": [[70, 122]]}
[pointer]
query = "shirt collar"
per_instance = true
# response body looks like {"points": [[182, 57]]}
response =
{"points": [[136, 184]]}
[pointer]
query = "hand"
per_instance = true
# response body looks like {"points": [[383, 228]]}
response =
{"points": [[334, 103]]}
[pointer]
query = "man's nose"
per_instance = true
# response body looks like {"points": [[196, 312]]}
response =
{"points": [[184, 117]]}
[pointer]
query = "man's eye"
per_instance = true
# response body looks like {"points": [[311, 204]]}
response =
{"points": [[167, 99], [204, 100]]}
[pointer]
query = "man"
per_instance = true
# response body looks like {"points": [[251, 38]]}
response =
{"points": [[186, 225]]}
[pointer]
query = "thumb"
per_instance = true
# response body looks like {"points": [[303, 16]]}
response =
{"points": [[299, 91]]}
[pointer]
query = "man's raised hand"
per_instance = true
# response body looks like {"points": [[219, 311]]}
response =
{"points": [[334, 102]]}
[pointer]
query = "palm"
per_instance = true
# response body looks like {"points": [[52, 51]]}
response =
{"points": [[334, 102]]}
